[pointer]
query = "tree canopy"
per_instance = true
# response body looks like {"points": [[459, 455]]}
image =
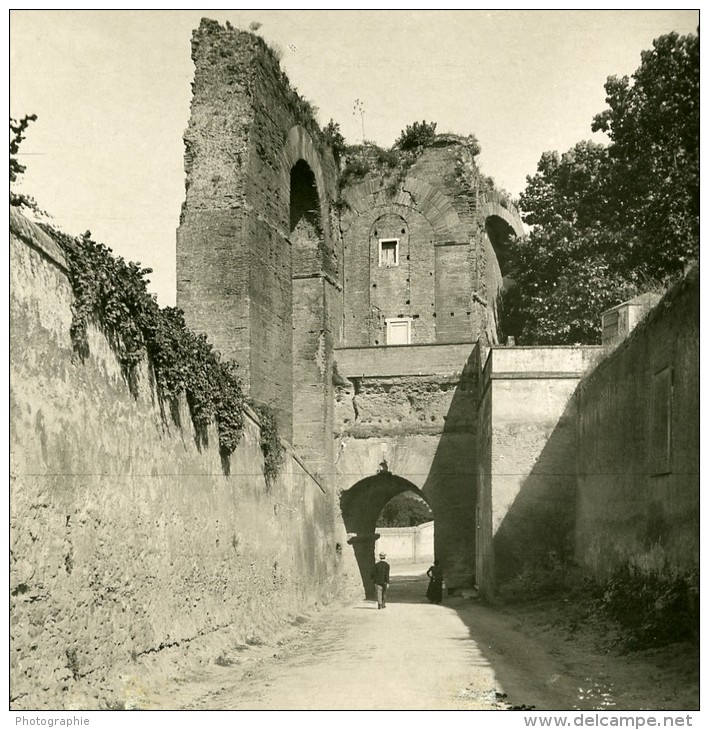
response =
{"points": [[404, 510], [611, 221]]}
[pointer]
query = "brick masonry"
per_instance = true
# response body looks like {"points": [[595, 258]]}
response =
{"points": [[279, 261], [447, 280], [249, 134]]}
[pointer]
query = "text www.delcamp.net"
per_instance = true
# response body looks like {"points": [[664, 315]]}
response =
{"points": [[596, 720]]}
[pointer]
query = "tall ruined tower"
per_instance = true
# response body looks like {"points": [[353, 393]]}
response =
{"points": [[257, 257]]}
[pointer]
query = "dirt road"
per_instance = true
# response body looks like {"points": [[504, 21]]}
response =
{"points": [[414, 655]]}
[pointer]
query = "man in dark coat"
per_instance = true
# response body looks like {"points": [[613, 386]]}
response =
{"points": [[380, 576]]}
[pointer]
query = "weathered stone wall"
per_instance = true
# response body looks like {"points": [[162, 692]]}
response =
{"points": [[125, 538], [638, 445], [527, 470], [414, 407]]}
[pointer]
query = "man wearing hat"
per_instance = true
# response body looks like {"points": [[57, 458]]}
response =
{"points": [[380, 576]]}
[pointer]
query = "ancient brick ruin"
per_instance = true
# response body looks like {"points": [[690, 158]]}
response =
{"points": [[302, 277], [361, 297]]}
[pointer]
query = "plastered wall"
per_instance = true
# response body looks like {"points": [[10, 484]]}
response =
{"points": [[638, 438]]}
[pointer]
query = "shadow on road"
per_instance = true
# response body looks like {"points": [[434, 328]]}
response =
{"points": [[408, 589]]}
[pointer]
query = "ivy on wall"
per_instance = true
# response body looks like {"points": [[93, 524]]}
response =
{"points": [[271, 446], [113, 294]]}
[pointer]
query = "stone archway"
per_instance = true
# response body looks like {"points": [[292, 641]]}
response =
{"points": [[314, 279], [361, 505]]}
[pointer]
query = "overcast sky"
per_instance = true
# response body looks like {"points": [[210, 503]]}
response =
{"points": [[112, 91]]}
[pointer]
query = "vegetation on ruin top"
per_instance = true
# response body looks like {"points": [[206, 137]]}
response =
{"points": [[393, 164]]}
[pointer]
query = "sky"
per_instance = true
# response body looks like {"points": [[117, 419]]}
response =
{"points": [[111, 90]]}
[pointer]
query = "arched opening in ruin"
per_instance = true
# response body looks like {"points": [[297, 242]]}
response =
{"points": [[310, 376], [500, 234], [361, 506], [306, 234]]}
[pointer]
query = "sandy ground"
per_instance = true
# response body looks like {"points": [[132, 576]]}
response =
{"points": [[413, 655]]}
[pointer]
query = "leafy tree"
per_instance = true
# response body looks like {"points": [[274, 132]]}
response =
{"points": [[404, 510], [611, 221], [653, 124]]}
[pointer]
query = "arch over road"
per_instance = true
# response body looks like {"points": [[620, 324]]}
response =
{"points": [[361, 506]]}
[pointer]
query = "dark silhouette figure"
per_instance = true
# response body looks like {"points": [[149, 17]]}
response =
{"points": [[435, 585]]}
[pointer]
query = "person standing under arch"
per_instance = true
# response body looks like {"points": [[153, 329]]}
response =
{"points": [[435, 585]]}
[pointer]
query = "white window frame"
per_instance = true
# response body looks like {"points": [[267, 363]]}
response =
{"points": [[389, 321], [396, 251]]}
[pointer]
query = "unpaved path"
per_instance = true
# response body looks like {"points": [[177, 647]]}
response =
{"points": [[414, 655]]}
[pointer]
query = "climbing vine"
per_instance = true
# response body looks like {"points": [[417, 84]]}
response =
{"points": [[271, 446], [113, 294]]}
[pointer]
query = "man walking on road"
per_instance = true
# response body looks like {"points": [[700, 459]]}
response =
{"points": [[380, 576]]}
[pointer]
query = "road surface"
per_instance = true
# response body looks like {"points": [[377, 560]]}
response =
{"points": [[414, 656]]}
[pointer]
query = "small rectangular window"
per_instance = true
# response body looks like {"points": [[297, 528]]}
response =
{"points": [[389, 252], [398, 331]]}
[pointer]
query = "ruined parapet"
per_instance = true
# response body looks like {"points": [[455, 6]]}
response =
{"points": [[258, 262], [425, 240]]}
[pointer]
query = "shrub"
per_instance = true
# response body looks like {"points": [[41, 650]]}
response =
{"points": [[355, 169], [333, 137], [419, 134], [539, 581], [656, 608]]}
